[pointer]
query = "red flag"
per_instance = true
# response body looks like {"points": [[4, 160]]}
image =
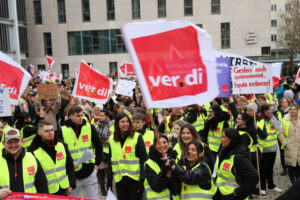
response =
{"points": [[51, 62], [297, 79], [172, 71], [14, 77], [92, 85], [126, 70]]}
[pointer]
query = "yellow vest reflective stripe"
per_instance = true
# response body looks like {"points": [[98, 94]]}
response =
{"points": [[199, 123], [56, 173], [77, 146], [214, 137], [271, 140], [178, 150], [286, 126], [123, 159], [251, 140], [27, 141], [194, 192], [150, 194], [148, 139], [29, 166], [226, 181]]}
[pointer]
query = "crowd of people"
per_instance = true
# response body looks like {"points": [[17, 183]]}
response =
{"points": [[223, 150]]}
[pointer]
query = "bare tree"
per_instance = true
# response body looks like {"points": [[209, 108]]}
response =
{"points": [[289, 29]]}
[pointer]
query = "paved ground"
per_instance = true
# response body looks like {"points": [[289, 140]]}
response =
{"points": [[282, 182]]}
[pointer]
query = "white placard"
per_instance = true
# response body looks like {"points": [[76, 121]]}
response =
{"points": [[5, 108], [252, 79], [125, 87]]}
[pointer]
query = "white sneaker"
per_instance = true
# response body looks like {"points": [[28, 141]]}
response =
{"points": [[263, 193], [277, 189]]}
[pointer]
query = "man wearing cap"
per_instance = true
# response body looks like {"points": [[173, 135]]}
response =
{"points": [[55, 159], [20, 171]]}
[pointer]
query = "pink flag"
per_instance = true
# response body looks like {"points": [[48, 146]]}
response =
{"points": [[51, 62], [14, 77]]}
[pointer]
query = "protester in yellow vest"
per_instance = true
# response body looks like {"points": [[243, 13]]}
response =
{"points": [[138, 123], [159, 181], [188, 134], [81, 136], [290, 140], [235, 177], [55, 160], [194, 115], [20, 171], [212, 132], [195, 175], [127, 154], [272, 125], [167, 124]]}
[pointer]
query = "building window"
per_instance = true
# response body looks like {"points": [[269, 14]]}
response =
{"points": [[96, 42], [273, 23], [287, 6], [215, 7], [4, 9], [162, 8], [65, 70], [85, 10], [113, 69], [265, 50], [199, 25], [61, 11], [287, 37], [110, 6], [287, 22], [4, 37], [274, 7], [188, 7], [136, 12], [41, 67], [23, 39], [48, 44], [225, 35], [273, 37], [37, 11], [20, 10]]}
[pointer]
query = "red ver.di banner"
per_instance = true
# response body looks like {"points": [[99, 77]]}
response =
{"points": [[174, 61]]}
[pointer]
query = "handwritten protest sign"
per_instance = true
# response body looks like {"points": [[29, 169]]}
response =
{"points": [[252, 79], [125, 87], [5, 109], [224, 71], [47, 91], [172, 71]]}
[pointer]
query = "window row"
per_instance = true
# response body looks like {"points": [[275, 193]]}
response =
{"points": [[110, 9]]}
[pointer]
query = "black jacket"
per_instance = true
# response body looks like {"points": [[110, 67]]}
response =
{"points": [[245, 173], [37, 142], [16, 174], [87, 168], [200, 176], [292, 193], [159, 182], [140, 152]]}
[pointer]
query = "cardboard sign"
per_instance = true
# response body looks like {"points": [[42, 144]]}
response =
{"points": [[47, 91], [14, 77], [125, 87], [5, 108], [172, 71], [253, 79], [91, 85], [224, 71]]}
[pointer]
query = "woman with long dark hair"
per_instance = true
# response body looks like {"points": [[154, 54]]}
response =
{"points": [[127, 154]]}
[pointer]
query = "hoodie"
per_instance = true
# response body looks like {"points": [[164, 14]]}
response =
{"points": [[87, 168], [50, 150]]}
